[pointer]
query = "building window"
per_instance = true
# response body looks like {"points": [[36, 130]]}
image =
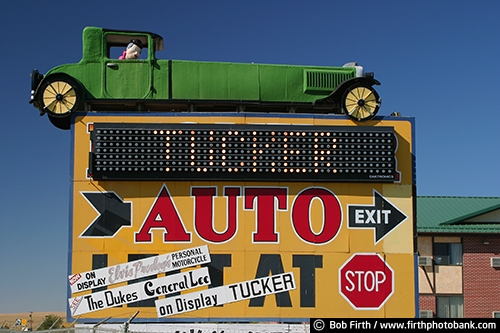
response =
{"points": [[496, 314], [450, 307], [448, 253]]}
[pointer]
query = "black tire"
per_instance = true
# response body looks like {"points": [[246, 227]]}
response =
{"points": [[361, 102], [60, 96], [63, 123]]}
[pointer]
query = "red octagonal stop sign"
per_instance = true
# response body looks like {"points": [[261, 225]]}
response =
{"points": [[366, 281]]}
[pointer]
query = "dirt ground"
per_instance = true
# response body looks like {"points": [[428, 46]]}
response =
{"points": [[8, 319]]}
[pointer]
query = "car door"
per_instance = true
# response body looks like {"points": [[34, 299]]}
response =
{"points": [[128, 79]]}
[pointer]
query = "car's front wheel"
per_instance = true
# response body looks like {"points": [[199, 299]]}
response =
{"points": [[361, 102]]}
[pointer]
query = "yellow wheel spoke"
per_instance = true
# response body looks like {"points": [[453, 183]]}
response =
{"points": [[370, 99], [52, 89], [49, 94], [371, 105], [365, 93], [354, 110], [48, 100], [358, 92], [67, 105], [367, 110], [52, 105], [70, 93], [58, 108], [70, 100], [351, 105], [351, 99], [67, 89]]}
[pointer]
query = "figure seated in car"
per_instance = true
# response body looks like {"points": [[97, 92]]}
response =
{"points": [[133, 50]]}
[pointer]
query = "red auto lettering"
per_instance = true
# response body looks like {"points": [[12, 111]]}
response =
{"points": [[204, 213], [163, 215], [332, 215], [263, 201]]}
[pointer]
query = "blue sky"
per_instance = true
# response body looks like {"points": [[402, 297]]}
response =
{"points": [[437, 61]]}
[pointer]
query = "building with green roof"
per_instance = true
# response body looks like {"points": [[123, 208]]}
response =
{"points": [[459, 256]]}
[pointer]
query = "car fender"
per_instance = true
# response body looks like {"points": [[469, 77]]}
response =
{"points": [[336, 95]]}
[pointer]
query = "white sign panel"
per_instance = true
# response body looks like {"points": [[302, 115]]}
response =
{"points": [[139, 291], [139, 268], [225, 294]]}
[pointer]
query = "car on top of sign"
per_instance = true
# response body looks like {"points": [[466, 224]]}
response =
{"points": [[102, 81]]}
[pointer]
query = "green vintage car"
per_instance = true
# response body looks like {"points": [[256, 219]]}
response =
{"points": [[102, 82]]}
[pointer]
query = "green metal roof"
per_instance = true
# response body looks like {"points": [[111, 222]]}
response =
{"points": [[444, 214]]}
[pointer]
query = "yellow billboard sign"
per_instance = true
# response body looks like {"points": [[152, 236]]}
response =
{"points": [[324, 197]]}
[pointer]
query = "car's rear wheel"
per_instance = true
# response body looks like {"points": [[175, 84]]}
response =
{"points": [[361, 102], [60, 96]]}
